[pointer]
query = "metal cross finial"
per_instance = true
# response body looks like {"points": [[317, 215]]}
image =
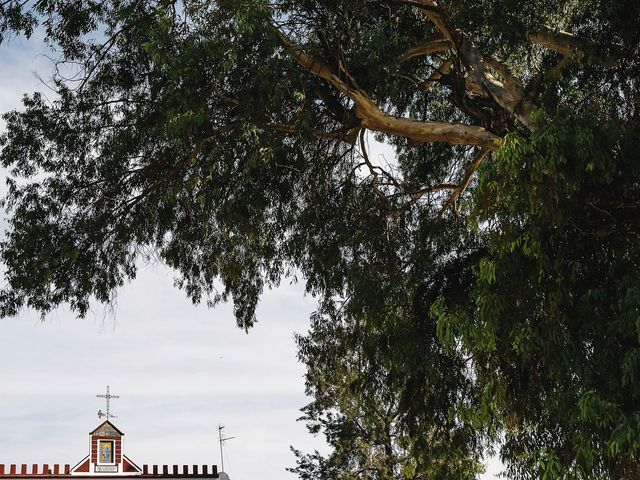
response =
{"points": [[108, 396]]}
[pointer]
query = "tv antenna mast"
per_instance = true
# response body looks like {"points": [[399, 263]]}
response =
{"points": [[108, 397], [222, 439]]}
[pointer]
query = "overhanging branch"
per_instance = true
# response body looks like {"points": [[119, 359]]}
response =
{"points": [[424, 48], [508, 93], [373, 118], [572, 47]]}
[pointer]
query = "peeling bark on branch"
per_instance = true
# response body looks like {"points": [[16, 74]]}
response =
{"points": [[508, 93], [375, 119], [571, 46]]}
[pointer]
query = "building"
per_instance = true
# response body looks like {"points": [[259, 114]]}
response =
{"points": [[106, 458]]}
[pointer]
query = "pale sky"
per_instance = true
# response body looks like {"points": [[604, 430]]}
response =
{"points": [[180, 370]]}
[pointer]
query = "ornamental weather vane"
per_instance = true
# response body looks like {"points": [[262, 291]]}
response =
{"points": [[108, 396]]}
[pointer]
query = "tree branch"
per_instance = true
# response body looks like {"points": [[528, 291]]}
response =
{"points": [[571, 46], [508, 94], [372, 170], [346, 135], [375, 119], [437, 74], [464, 183], [172, 171], [424, 48]]}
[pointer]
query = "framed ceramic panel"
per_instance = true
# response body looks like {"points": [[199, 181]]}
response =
{"points": [[106, 454]]}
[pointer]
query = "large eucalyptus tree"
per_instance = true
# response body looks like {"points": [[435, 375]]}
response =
{"points": [[483, 288]]}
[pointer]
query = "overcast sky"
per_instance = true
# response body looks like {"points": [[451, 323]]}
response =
{"points": [[180, 370]]}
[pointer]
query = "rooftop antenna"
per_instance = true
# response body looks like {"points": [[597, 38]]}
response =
{"points": [[222, 440], [108, 397]]}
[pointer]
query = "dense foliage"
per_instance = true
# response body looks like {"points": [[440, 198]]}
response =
{"points": [[480, 293]]}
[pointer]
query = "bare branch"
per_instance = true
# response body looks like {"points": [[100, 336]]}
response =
{"points": [[571, 46], [503, 70], [375, 119], [437, 74], [417, 195], [508, 94], [424, 48], [372, 170], [464, 183]]}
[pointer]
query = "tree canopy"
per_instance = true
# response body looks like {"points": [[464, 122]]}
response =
{"points": [[480, 293]]}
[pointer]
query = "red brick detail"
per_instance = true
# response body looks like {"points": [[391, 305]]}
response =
{"points": [[84, 467], [12, 470], [175, 469], [185, 470], [214, 470], [56, 469], [45, 469], [2, 469], [155, 469], [117, 447], [127, 467], [67, 469], [23, 469]]}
